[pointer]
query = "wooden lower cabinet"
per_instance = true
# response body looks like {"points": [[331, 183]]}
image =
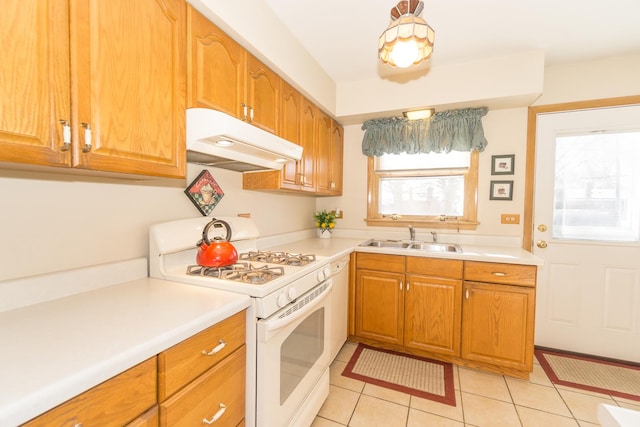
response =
{"points": [[117, 401], [203, 377], [415, 311], [151, 418], [432, 314], [218, 394], [198, 379], [499, 315], [379, 306], [471, 313]]}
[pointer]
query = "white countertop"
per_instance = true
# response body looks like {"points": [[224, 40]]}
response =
{"points": [[335, 247], [55, 350]]}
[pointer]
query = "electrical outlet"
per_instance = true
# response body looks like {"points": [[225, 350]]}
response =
{"points": [[510, 219]]}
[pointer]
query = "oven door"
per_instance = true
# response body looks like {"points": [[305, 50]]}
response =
{"points": [[293, 359]]}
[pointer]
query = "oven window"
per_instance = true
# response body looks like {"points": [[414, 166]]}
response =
{"points": [[300, 351]]}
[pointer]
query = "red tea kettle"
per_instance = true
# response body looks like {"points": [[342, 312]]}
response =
{"points": [[219, 253]]}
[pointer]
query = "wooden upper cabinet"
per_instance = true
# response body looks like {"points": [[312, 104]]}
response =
{"points": [[290, 110], [128, 76], [337, 156], [216, 67], [308, 125], [115, 73], [329, 151], [323, 153], [34, 87], [225, 77], [263, 95]]}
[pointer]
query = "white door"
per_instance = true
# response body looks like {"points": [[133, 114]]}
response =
{"points": [[587, 230]]}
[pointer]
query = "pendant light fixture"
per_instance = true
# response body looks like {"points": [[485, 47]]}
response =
{"points": [[408, 40]]}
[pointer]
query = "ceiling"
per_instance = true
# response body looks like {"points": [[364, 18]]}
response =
{"points": [[342, 35]]}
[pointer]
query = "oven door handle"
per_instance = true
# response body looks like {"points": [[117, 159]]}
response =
{"points": [[273, 325]]}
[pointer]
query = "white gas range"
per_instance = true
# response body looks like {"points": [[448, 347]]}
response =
{"points": [[287, 325]]}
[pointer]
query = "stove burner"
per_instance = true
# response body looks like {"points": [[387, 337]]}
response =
{"points": [[239, 272], [283, 258]]}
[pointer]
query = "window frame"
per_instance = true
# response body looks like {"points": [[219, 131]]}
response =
{"points": [[468, 221]]}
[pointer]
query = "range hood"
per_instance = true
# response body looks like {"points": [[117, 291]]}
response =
{"points": [[219, 140]]}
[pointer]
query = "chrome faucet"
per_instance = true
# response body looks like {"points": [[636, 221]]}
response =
{"points": [[434, 236], [412, 233]]}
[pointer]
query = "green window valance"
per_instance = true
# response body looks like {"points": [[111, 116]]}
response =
{"points": [[451, 130]]}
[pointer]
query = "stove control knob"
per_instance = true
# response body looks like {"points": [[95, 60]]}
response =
{"points": [[292, 293], [282, 300]]}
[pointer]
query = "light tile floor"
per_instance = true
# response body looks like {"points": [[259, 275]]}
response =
{"points": [[482, 400]]}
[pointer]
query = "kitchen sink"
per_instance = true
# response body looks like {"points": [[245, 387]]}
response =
{"points": [[436, 247], [386, 244], [419, 246]]}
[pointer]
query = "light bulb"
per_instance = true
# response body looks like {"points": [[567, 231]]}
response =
{"points": [[404, 53]]}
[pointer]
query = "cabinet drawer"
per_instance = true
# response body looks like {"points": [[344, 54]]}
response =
{"points": [[509, 274], [183, 362], [151, 418], [114, 402], [380, 262], [219, 391], [449, 268]]}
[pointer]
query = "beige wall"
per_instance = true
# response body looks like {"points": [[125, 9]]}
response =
{"points": [[51, 222], [505, 130]]}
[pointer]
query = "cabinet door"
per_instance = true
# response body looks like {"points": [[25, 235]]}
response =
{"points": [[432, 314], [323, 154], [337, 153], [379, 306], [308, 129], [34, 82], [290, 110], [128, 77], [263, 95], [215, 67], [497, 325]]}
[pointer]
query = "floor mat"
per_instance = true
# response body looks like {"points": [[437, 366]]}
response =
{"points": [[585, 373], [417, 376]]}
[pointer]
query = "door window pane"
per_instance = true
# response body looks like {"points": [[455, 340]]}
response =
{"points": [[597, 190]]}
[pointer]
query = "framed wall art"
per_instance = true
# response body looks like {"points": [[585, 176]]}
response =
{"points": [[503, 164], [204, 192], [501, 190]]}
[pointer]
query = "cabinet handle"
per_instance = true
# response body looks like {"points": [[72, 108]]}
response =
{"points": [[66, 135], [466, 294], [245, 111], [250, 114], [499, 274], [87, 137], [408, 286], [217, 416], [216, 349], [400, 284]]}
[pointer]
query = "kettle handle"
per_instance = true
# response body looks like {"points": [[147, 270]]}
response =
{"points": [[205, 232]]}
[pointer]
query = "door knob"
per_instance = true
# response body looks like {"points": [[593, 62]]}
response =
{"points": [[542, 228], [541, 244]]}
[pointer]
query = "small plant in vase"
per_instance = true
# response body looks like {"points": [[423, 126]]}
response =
{"points": [[326, 222]]}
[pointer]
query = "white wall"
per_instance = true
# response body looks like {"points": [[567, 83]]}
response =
{"points": [[51, 222]]}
